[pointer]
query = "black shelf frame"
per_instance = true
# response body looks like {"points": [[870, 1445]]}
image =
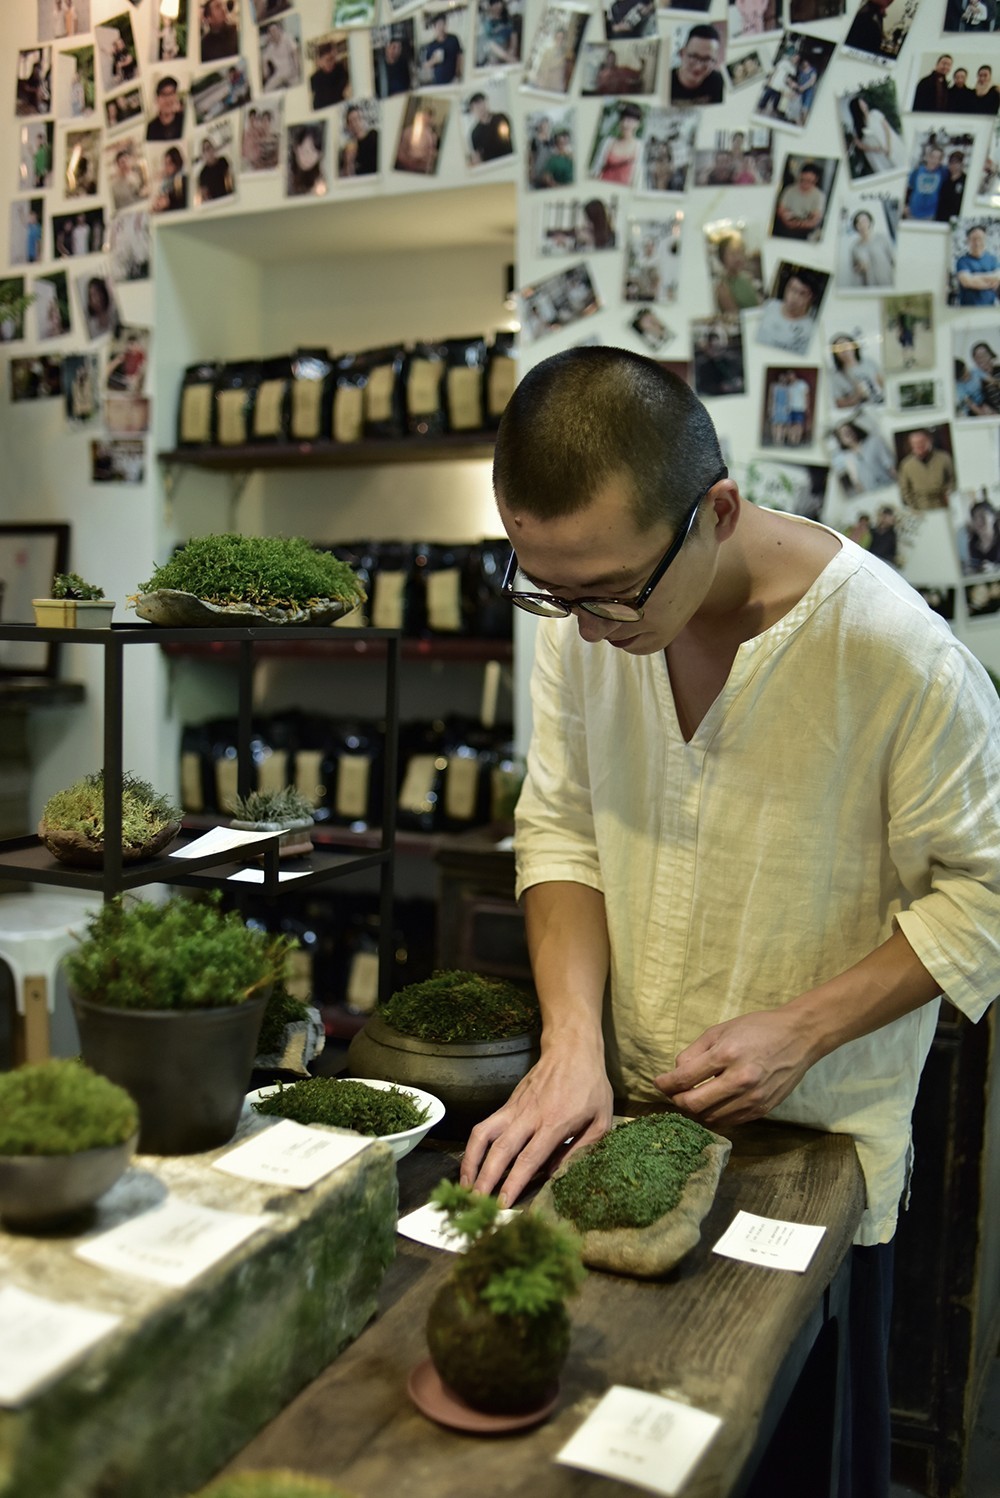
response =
{"points": [[26, 858]]}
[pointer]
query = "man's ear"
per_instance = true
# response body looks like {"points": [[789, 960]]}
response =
{"points": [[725, 508]]}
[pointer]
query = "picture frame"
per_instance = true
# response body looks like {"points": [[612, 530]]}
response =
{"points": [[30, 556]]}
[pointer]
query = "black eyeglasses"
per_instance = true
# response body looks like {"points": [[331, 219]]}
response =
{"points": [[624, 611]]}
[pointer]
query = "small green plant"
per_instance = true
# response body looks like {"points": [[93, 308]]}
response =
{"points": [[258, 570], [345, 1104], [283, 806], [80, 808], [456, 1005], [72, 585], [60, 1108], [633, 1175], [184, 954], [276, 1484], [282, 1010]]}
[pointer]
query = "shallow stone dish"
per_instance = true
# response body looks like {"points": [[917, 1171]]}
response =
{"points": [[178, 610]]}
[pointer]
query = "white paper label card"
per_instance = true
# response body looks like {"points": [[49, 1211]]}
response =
{"points": [[172, 1244], [429, 1225], [768, 1240], [290, 1154], [219, 840], [38, 1338], [645, 1439], [256, 876]]}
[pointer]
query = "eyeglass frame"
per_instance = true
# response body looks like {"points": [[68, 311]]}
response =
{"points": [[637, 604]]}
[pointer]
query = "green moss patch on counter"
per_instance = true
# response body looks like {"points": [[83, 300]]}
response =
{"points": [[633, 1175], [344, 1104]]}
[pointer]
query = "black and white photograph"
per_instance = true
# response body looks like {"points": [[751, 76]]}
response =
{"points": [[441, 46], [749, 20], [697, 61], [35, 377], [329, 69], [394, 59], [549, 155], [855, 376], [171, 33], [79, 233], [213, 165], [621, 68], [867, 243], [121, 110], [788, 410], [360, 137], [736, 158], [955, 83], [796, 76], [169, 177], [260, 135], [499, 34], [925, 466], [652, 258], [82, 163], [908, 331], [803, 196], [421, 134], [735, 265], [307, 166], [788, 316], [58, 19], [34, 82], [976, 527], [871, 125], [555, 47], [52, 317], [35, 156], [96, 300], [27, 224], [974, 262], [618, 142], [75, 93], [668, 150], [861, 458], [219, 31], [117, 60], [717, 343], [119, 462], [80, 391], [220, 91], [556, 302], [651, 330], [976, 369], [577, 225], [486, 119], [281, 54], [878, 30], [126, 172]]}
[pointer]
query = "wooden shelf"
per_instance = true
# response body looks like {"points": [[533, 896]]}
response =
{"points": [[449, 448], [457, 650]]}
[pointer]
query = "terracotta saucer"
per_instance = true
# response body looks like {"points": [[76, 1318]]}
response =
{"points": [[435, 1400]]}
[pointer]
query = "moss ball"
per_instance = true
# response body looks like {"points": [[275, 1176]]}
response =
{"points": [[60, 1108]]}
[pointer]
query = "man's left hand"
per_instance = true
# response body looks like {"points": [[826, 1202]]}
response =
{"points": [[739, 1070]]}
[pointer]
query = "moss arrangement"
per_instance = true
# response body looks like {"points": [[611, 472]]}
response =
{"points": [[454, 1005], [184, 954], [257, 570], [285, 806], [522, 1268], [633, 1175], [72, 585], [276, 1484], [282, 1010], [61, 1108], [346, 1104], [80, 808]]}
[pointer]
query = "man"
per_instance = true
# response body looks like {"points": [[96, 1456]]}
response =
{"points": [[168, 121], [959, 93], [443, 55], [395, 74], [215, 178], [952, 189], [798, 408], [923, 186], [723, 910], [359, 153], [696, 78], [931, 92], [280, 62], [722, 171], [220, 37], [718, 370], [80, 235], [977, 271], [926, 473], [787, 322], [557, 168], [801, 206], [127, 185], [42, 159], [330, 83], [631, 18], [490, 136], [866, 33]]}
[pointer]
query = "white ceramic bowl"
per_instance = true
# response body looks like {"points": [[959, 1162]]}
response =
{"points": [[403, 1142]]}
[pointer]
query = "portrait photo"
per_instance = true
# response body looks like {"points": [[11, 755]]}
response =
{"points": [[548, 153], [975, 262], [751, 19], [867, 243], [127, 172], [790, 89], [855, 376], [554, 49], [988, 189], [219, 91], [118, 462], [935, 185], [872, 129], [80, 389], [735, 267], [441, 46], [169, 177], [96, 300], [624, 19], [329, 69], [37, 377], [788, 406], [83, 163], [360, 134], [556, 302], [955, 83], [128, 361], [307, 168], [12, 290], [51, 305], [213, 167], [788, 316], [421, 134], [794, 487], [34, 81], [121, 110], [117, 61], [976, 370], [260, 135], [35, 156], [861, 458], [975, 517], [75, 93], [618, 140], [621, 68], [127, 415], [487, 128], [803, 197], [58, 19], [925, 466], [578, 226], [170, 33], [917, 393], [982, 599], [668, 150], [696, 66], [908, 331], [736, 158], [651, 330], [652, 258], [878, 30], [742, 71], [499, 34], [27, 226], [280, 48], [79, 233], [717, 345], [219, 30], [394, 59]]}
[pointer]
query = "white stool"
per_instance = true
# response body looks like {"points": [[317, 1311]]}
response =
{"points": [[36, 932]]}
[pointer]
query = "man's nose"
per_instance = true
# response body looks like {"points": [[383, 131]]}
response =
{"points": [[592, 629]]}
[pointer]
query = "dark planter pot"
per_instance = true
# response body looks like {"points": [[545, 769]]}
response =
{"points": [[472, 1078], [188, 1069], [41, 1192], [502, 1365]]}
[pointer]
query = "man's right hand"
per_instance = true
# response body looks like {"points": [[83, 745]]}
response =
{"points": [[564, 1102]]}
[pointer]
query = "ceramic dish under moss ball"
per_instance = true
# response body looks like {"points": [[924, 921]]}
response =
{"points": [[348, 1103]]}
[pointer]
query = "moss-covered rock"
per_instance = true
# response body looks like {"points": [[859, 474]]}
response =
{"points": [[455, 1005]]}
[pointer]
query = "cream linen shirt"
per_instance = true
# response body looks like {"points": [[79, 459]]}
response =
{"points": [[845, 781]]}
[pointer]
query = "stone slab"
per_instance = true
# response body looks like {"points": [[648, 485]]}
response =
{"points": [[191, 1374]]}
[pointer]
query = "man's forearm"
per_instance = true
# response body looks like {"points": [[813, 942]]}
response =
{"points": [[567, 934]]}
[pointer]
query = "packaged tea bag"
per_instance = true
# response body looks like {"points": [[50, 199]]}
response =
{"points": [[464, 384], [235, 392], [383, 391], [439, 567], [501, 376], [348, 423], [490, 612], [272, 408], [423, 385], [311, 395], [196, 407], [395, 600]]}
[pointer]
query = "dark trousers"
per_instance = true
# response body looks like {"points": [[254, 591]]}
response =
{"points": [[865, 1427]]}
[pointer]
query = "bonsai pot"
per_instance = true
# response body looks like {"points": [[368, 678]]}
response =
{"points": [[187, 1069], [471, 1077], [73, 613], [295, 840], [76, 848], [39, 1192]]}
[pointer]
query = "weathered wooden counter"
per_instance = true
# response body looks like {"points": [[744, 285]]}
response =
{"points": [[722, 1335]]}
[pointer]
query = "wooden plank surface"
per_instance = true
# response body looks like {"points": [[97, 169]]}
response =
{"points": [[713, 1333]]}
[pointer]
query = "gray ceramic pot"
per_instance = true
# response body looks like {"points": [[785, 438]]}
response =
{"points": [[472, 1078], [43, 1191]]}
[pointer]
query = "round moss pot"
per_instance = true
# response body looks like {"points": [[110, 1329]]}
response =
{"points": [[187, 1069], [471, 1077], [501, 1364], [42, 1192]]}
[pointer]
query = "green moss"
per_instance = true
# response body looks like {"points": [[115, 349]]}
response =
{"points": [[282, 1010], [184, 954], [633, 1175], [276, 1484], [286, 805], [80, 808], [72, 585], [259, 570], [346, 1104], [456, 1005], [60, 1108]]}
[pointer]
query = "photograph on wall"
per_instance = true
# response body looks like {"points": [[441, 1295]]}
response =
{"points": [[80, 389], [988, 189], [127, 415], [935, 184], [96, 299], [356, 13], [34, 81], [329, 69], [618, 142], [556, 302], [548, 156], [625, 68], [360, 133], [12, 292], [213, 165], [975, 515], [61, 18], [651, 329], [219, 30], [908, 331], [794, 487], [280, 47], [877, 31], [879, 529], [307, 169], [74, 97], [79, 233], [975, 262], [861, 458], [128, 361], [788, 406], [421, 134], [499, 34], [117, 61], [735, 268], [35, 156], [260, 136], [37, 377], [170, 34], [624, 19], [917, 393], [120, 462], [166, 118], [749, 20], [83, 163], [790, 88], [956, 83], [220, 90], [696, 61], [266, 10], [803, 197], [982, 600], [717, 346], [554, 49], [925, 466], [788, 317], [127, 172], [872, 129], [941, 600], [486, 121], [976, 366], [441, 35], [745, 70], [51, 305], [168, 169], [668, 150], [855, 376], [577, 226], [652, 258], [394, 59], [27, 218], [866, 245], [736, 158], [121, 110]]}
